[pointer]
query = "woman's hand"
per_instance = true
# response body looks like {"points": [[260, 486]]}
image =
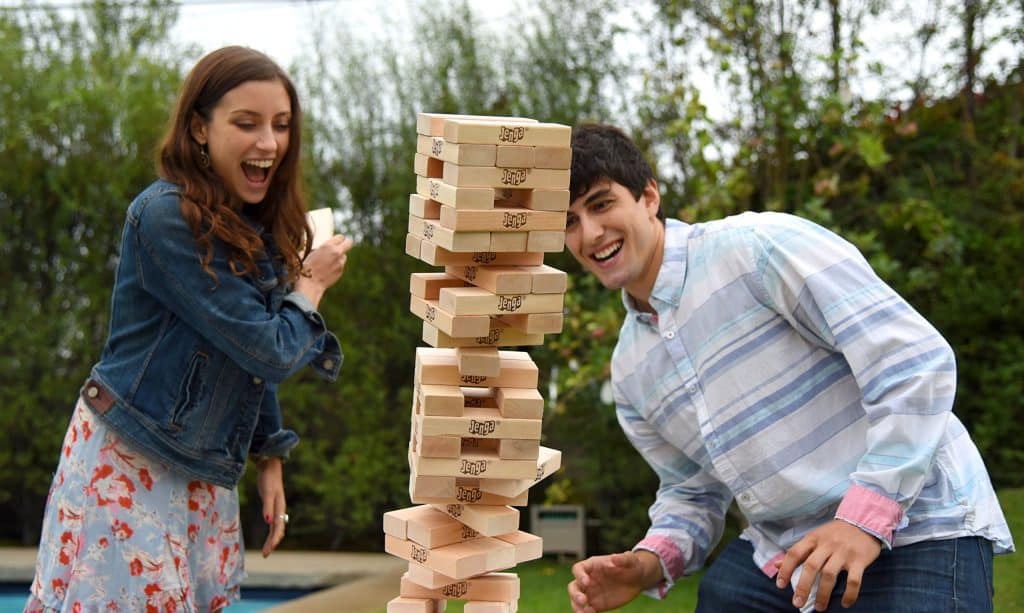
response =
{"points": [[323, 267], [271, 487]]}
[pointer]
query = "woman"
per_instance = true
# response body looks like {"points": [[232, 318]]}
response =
{"points": [[214, 304]]}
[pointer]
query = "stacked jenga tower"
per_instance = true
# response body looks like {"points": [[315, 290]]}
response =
{"points": [[491, 198]]}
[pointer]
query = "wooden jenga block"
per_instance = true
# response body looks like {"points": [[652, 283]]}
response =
{"points": [[464, 154], [401, 604], [321, 222], [458, 560], [500, 219], [412, 246], [439, 446], [427, 166], [440, 400], [485, 519], [509, 242], [480, 423], [483, 606], [432, 124], [477, 301], [534, 199], [458, 197], [500, 177], [495, 279], [492, 587], [478, 361], [500, 335], [548, 462], [431, 527], [516, 156], [534, 323], [439, 366], [483, 466], [528, 546], [518, 449], [427, 285], [546, 241], [552, 157], [453, 325], [396, 522], [434, 255], [432, 489], [545, 279], [506, 133], [426, 208], [432, 231], [519, 403], [423, 576]]}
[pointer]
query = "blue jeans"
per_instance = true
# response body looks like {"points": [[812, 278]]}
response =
{"points": [[928, 577]]}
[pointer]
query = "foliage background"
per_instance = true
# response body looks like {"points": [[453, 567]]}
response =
{"points": [[925, 176]]}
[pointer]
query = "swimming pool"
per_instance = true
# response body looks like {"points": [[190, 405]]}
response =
{"points": [[13, 596]]}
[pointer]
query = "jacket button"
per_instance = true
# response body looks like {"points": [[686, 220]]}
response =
{"points": [[257, 380], [328, 364], [92, 392]]}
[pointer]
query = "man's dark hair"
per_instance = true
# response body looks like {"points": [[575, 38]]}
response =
{"points": [[601, 151]]}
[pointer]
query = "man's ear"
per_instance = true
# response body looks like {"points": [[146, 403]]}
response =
{"points": [[652, 197], [197, 128]]}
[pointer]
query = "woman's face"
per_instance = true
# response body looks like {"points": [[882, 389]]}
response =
{"points": [[247, 137]]}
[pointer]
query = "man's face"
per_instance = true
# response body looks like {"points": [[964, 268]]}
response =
{"points": [[616, 236]]}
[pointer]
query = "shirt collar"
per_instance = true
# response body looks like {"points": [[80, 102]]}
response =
{"points": [[668, 286]]}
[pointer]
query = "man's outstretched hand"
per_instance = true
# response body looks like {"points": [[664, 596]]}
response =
{"points": [[607, 582]]}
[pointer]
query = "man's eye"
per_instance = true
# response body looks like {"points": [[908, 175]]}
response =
{"points": [[570, 221]]}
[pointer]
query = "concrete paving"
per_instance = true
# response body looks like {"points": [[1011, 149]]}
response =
{"points": [[359, 582]]}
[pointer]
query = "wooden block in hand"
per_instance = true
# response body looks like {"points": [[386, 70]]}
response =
{"points": [[485, 519], [492, 587], [506, 133], [321, 222]]}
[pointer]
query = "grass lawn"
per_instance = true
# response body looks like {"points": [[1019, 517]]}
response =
{"points": [[543, 581]]}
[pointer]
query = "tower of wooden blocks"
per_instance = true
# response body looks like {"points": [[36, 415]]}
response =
{"points": [[491, 199]]}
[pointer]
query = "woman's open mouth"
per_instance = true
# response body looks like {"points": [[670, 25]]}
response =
{"points": [[257, 171]]}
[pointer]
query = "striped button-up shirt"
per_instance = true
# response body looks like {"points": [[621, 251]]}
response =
{"points": [[779, 370]]}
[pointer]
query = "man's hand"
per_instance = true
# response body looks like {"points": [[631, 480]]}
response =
{"points": [[607, 582], [270, 483], [832, 548]]}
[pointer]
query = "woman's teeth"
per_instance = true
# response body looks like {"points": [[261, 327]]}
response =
{"points": [[260, 163], [608, 252]]}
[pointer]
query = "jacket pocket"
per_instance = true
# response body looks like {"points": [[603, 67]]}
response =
{"points": [[191, 390]]}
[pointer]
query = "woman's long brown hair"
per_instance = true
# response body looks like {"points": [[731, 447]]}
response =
{"points": [[206, 203]]}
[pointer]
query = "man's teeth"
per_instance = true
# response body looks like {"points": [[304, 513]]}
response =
{"points": [[608, 251], [259, 163]]}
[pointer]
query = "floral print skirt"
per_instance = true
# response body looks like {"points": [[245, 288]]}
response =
{"points": [[122, 532]]}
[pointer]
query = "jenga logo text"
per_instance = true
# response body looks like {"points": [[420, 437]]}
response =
{"points": [[470, 273], [472, 379], [437, 147], [470, 443], [474, 402], [511, 135], [513, 220], [455, 510], [468, 533], [455, 591], [514, 176], [485, 257], [435, 189], [473, 467], [482, 427], [493, 337], [540, 473], [428, 230], [468, 494], [431, 313], [419, 554], [510, 303]]}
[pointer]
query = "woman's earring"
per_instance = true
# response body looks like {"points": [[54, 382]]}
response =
{"points": [[204, 157]]}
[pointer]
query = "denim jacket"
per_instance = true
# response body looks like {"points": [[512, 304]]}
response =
{"points": [[190, 369]]}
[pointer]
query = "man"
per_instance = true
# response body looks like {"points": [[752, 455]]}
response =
{"points": [[762, 359]]}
